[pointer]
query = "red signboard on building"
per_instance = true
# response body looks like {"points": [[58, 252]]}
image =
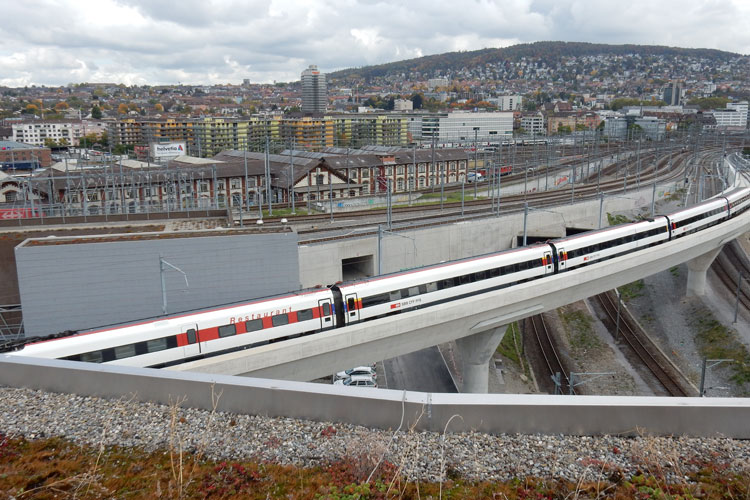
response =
{"points": [[15, 213]]}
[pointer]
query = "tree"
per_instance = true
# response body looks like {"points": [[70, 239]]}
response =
{"points": [[96, 113], [50, 143], [159, 108], [31, 109], [710, 102], [417, 101], [122, 109], [61, 106]]}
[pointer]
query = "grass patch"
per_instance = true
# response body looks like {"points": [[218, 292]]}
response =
{"points": [[675, 271], [677, 195], [452, 196], [716, 341], [631, 290], [277, 212], [512, 344], [614, 220], [580, 330], [55, 468]]}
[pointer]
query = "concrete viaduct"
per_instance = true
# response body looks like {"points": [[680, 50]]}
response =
{"points": [[477, 323]]}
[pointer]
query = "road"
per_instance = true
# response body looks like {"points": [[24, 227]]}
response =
{"points": [[422, 371]]}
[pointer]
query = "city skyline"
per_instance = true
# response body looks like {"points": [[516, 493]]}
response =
{"points": [[140, 42]]}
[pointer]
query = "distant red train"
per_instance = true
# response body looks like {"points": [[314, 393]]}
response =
{"points": [[487, 173]]}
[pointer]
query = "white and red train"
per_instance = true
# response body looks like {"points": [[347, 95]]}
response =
{"points": [[183, 337]]}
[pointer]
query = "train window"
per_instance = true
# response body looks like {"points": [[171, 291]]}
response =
{"points": [[227, 331], [280, 320], [191, 337], [257, 324], [465, 279], [414, 291], [494, 273], [156, 345], [432, 287], [405, 293], [443, 284], [374, 300], [92, 357], [394, 295], [307, 314], [480, 276], [124, 351], [326, 309]]}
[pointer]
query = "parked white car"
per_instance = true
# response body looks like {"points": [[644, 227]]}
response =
{"points": [[470, 177], [357, 381], [359, 370]]}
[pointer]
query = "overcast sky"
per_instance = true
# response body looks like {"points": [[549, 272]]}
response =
{"points": [[56, 42]]}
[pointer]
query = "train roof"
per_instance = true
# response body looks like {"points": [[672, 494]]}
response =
{"points": [[439, 265], [17, 344], [605, 229]]}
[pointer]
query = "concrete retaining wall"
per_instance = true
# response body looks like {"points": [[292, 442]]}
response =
{"points": [[83, 283], [321, 263]]}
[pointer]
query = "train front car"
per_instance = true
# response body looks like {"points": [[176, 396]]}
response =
{"points": [[594, 246], [698, 217], [440, 283], [739, 201], [182, 337]]}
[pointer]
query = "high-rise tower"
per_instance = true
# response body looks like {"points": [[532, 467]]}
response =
{"points": [[314, 95], [673, 93]]}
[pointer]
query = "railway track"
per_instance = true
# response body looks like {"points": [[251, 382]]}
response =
{"points": [[728, 264], [658, 364], [661, 170], [426, 216], [552, 365]]}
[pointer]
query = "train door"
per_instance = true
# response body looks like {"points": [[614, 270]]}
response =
{"points": [[548, 264], [562, 258], [352, 308], [326, 314], [193, 345]]}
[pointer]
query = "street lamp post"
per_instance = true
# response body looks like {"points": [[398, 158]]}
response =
{"points": [[476, 151]]}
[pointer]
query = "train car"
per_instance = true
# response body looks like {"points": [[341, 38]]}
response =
{"points": [[403, 291], [698, 217], [595, 246], [739, 201], [178, 338]]}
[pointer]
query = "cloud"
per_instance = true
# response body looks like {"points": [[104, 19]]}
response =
{"points": [[140, 41]]}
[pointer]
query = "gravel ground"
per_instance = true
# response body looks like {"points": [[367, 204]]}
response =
{"points": [[425, 456]]}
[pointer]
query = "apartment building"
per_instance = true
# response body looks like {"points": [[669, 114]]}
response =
{"points": [[64, 133], [465, 127], [534, 124]]}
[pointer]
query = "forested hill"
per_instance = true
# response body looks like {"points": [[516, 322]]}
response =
{"points": [[549, 53]]}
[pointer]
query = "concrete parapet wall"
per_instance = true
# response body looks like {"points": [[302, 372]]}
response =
{"points": [[382, 408]]}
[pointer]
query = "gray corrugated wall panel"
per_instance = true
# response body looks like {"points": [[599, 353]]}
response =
{"points": [[382, 408], [84, 285]]}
